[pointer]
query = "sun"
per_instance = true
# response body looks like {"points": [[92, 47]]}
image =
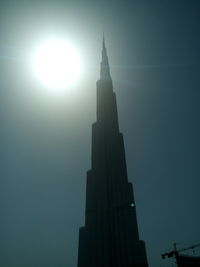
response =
{"points": [[57, 64]]}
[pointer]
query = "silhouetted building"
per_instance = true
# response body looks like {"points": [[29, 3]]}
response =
{"points": [[187, 261], [110, 236]]}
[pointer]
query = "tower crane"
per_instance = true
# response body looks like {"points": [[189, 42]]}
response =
{"points": [[181, 259]]}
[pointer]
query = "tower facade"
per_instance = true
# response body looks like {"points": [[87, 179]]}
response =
{"points": [[110, 236]]}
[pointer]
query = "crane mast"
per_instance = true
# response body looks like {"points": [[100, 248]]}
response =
{"points": [[183, 260]]}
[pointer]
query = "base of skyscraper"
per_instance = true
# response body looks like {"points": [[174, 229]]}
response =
{"points": [[92, 254]]}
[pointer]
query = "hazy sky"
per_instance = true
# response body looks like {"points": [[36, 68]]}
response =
{"points": [[153, 48]]}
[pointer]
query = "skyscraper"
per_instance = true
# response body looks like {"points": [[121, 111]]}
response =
{"points": [[110, 236]]}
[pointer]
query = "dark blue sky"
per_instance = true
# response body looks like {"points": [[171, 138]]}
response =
{"points": [[153, 48]]}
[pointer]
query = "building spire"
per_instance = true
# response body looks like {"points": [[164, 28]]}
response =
{"points": [[105, 69]]}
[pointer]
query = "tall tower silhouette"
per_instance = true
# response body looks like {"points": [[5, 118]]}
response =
{"points": [[110, 236]]}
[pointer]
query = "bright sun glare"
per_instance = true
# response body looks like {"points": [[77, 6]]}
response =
{"points": [[57, 64]]}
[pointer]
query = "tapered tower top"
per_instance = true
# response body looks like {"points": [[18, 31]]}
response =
{"points": [[105, 69]]}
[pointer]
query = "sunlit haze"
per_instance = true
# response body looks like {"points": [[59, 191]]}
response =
{"points": [[56, 64]]}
